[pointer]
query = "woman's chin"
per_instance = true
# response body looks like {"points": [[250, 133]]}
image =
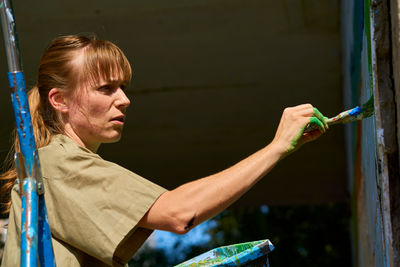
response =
{"points": [[112, 139]]}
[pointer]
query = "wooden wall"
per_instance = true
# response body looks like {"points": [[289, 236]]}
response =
{"points": [[372, 150]]}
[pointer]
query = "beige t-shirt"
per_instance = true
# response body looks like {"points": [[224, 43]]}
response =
{"points": [[93, 206]]}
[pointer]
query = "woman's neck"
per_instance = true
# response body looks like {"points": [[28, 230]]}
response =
{"points": [[68, 131]]}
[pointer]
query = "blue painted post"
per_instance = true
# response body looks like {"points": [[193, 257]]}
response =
{"points": [[27, 162]]}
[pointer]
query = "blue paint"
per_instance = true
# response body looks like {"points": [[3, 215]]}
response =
{"points": [[355, 111], [46, 254], [23, 120], [29, 223]]}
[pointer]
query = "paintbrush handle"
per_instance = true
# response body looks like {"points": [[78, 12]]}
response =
{"points": [[347, 116], [344, 117]]}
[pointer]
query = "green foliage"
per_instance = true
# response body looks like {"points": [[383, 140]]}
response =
{"points": [[149, 257], [302, 235]]}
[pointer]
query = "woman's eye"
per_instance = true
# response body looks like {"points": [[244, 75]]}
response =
{"points": [[111, 87], [105, 88]]}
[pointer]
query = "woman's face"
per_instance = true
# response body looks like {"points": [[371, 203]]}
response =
{"points": [[96, 113]]}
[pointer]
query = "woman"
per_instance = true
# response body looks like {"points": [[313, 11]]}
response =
{"points": [[99, 212]]}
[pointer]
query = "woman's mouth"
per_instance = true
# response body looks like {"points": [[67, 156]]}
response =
{"points": [[119, 119]]}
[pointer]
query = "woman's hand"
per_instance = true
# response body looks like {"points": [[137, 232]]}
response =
{"points": [[291, 133]]}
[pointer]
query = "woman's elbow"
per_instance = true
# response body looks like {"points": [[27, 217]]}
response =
{"points": [[182, 224], [170, 215], [180, 231]]}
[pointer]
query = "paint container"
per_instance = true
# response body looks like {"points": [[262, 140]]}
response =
{"points": [[254, 254]]}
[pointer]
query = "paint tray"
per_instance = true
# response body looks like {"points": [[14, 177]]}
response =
{"points": [[254, 254]]}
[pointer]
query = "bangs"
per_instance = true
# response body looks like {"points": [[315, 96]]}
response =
{"points": [[105, 61]]}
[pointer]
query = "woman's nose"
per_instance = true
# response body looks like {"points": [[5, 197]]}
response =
{"points": [[122, 99]]}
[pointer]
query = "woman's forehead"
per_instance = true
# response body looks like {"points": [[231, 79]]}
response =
{"points": [[114, 79], [99, 78], [94, 70]]}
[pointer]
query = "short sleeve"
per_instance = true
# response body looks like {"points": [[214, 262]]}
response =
{"points": [[95, 205]]}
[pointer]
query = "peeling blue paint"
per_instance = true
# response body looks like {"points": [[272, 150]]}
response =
{"points": [[46, 254], [23, 119], [29, 223]]}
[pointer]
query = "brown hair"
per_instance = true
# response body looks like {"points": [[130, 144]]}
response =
{"points": [[101, 59]]}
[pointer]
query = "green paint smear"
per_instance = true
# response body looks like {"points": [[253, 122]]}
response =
{"points": [[318, 121], [367, 27], [295, 140], [319, 115], [368, 107]]}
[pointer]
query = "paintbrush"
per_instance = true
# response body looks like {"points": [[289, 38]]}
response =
{"points": [[354, 114]]}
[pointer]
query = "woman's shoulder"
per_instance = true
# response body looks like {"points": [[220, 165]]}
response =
{"points": [[63, 158], [62, 144]]}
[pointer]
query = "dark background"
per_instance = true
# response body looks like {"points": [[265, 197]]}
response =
{"points": [[211, 79]]}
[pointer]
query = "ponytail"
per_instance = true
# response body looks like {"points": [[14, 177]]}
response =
{"points": [[42, 138], [41, 131]]}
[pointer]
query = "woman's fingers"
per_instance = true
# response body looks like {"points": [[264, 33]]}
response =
{"points": [[303, 107], [307, 112], [316, 121], [320, 117], [313, 124]]}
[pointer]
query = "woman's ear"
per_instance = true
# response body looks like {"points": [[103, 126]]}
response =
{"points": [[57, 100]]}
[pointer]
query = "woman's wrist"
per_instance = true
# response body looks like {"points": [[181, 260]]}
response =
{"points": [[278, 149]]}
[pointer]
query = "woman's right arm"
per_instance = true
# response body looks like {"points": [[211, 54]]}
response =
{"points": [[188, 205]]}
